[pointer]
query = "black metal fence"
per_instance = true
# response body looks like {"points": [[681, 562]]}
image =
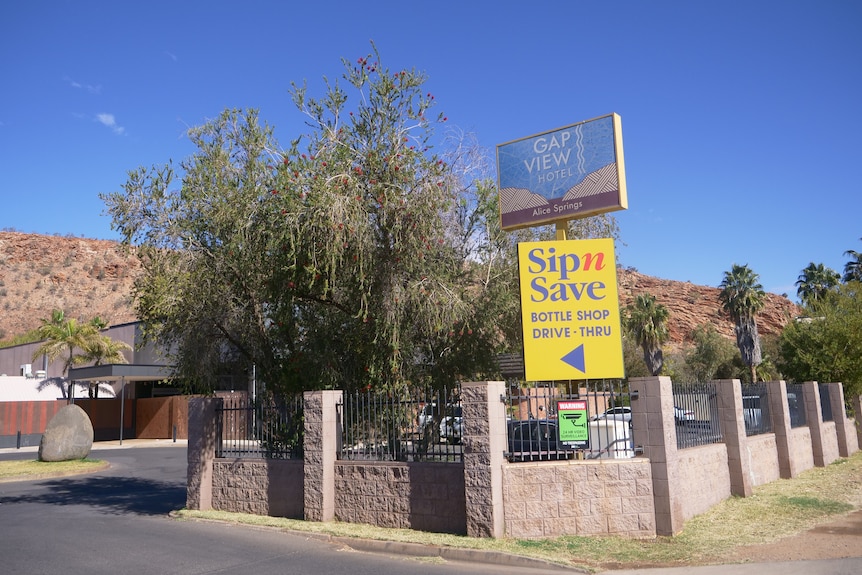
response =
{"points": [[695, 407], [269, 429], [533, 432], [755, 409], [825, 403], [416, 425], [796, 405]]}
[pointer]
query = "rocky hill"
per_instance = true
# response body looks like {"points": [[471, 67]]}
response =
{"points": [[83, 277], [87, 278], [692, 305]]}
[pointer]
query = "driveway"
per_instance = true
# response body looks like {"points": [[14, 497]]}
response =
{"points": [[115, 522]]}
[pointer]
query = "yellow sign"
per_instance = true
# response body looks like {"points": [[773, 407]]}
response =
{"points": [[570, 310]]}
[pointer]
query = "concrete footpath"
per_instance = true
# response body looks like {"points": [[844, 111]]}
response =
{"points": [[114, 444]]}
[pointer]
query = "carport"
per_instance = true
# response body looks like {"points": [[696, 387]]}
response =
{"points": [[122, 372]]}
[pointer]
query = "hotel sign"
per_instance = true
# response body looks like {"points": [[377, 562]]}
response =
{"points": [[568, 173]]}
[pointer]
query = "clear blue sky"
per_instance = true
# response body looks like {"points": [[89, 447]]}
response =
{"points": [[742, 120]]}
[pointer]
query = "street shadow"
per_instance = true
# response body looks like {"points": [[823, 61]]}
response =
{"points": [[114, 495]]}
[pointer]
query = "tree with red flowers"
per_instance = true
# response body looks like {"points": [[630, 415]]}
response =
{"points": [[366, 255]]}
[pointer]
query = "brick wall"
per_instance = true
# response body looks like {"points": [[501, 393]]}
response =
{"points": [[607, 497], [258, 486], [423, 496], [703, 479], [801, 452], [763, 459], [487, 496]]}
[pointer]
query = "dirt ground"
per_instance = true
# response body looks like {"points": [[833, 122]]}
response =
{"points": [[836, 540]]}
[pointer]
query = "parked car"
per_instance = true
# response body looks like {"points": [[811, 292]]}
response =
{"points": [[535, 439], [451, 426], [681, 416], [621, 413], [751, 411], [427, 414]]}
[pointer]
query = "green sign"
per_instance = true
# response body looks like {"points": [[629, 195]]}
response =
{"points": [[573, 424]]}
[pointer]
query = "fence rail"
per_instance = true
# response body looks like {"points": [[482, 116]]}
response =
{"points": [[796, 405], [416, 425], [532, 426], [755, 409], [260, 429], [825, 403], [696, 414]]}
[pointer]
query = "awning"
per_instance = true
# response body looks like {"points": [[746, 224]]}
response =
{"points": [[122, 372]]}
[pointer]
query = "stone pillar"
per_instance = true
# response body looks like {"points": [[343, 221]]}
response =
{"points": [[203, 434], [320, 448], [733, 429], [847, 442], [779, 414], [654, 431], [814, 419], [484, 438]]}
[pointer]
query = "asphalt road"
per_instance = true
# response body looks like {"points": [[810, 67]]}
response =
{"points": [[116, 522]]}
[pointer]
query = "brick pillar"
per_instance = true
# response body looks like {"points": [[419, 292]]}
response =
{"points": [[201, 452], [847, 443], [484, 438], [654, 431], [779, 414], [814, 419], [321, 444], [733, 429]]}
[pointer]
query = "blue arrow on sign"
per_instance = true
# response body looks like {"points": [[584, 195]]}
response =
{"points": [[575, 358]]}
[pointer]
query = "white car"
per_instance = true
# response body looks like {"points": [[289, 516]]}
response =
{"points": [[451, 426], [621, 413], [682, 415]]}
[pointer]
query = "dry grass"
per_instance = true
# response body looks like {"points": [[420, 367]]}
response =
{"points": [[33, 469], [776, 510]]}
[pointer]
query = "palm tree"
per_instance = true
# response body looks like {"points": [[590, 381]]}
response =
{"points": [[742, 297], [814, 282], [646, 320], [102, 350], [61, 337], [853, 268]]}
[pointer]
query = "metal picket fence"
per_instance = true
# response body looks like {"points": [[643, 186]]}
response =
{"points": [[265, 428], [696, 414], [415, 425], [796, 405], [825, 403], [755, 409], [532, 420]]}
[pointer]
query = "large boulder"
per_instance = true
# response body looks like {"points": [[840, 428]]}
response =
{"points": [[69, 435]]}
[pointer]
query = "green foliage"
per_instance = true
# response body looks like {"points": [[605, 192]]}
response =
{"points": [[826, 346], [360, 257], [711, 356], [633, 358], [646, 321], [814, 282], [61, 336], [853, 268], [29, 337], [742, 297]]}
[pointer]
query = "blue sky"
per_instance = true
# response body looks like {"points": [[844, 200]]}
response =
{"points": [[741, 119]]}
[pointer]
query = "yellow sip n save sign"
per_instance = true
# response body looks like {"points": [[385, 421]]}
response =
{"points": [[570, 310]]}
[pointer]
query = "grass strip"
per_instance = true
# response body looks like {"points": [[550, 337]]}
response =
{"points": [[776, 510]]}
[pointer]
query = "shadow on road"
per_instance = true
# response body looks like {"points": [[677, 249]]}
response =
{"points": [[116, 495]]}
